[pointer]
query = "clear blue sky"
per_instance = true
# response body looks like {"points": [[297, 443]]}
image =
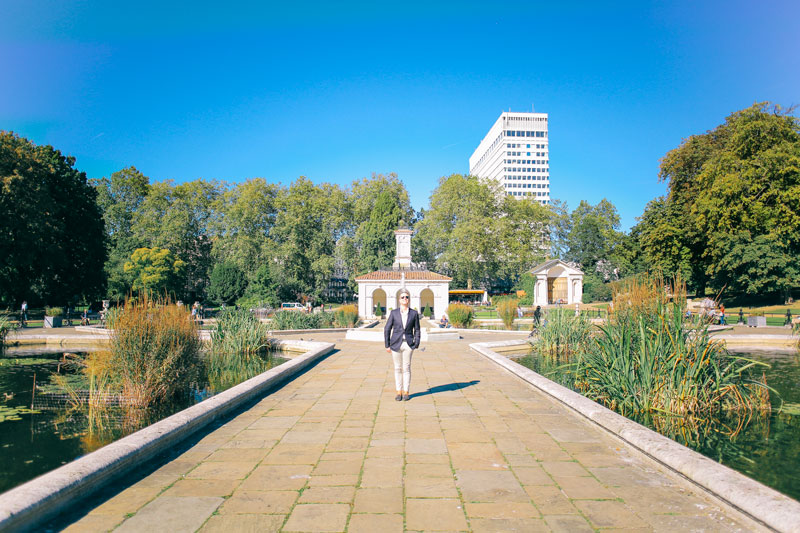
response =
{"points": [[335, 91]]}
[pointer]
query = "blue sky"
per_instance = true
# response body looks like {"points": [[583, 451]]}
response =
{"points": [[335, 91]]}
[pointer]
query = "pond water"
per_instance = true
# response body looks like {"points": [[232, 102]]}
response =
{"points": [[53, 433], [765, 448]]}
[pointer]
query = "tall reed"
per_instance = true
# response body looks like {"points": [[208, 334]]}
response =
{"points": [[154, 351], [5, 328], [240, 347], [647, 359], [564, 335], [283, 320]]}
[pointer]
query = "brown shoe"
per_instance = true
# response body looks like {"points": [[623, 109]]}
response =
{"points": [[398, 397], [405, 397]]}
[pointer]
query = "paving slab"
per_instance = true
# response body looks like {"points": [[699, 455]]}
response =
{"points": [[475, 449]]}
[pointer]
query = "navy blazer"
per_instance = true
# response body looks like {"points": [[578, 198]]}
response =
{"points": [[394, 334]]}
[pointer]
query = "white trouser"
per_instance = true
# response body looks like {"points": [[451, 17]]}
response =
{"points": [[402, 367]]}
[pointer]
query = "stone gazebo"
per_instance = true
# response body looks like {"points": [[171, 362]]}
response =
{"points": [[557, 282], [428, 289]]}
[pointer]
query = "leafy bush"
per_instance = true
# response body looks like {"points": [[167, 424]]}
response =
{"points": [[595, 289], [379, 310], [507, 309], [460, 315], [427, 311], [346, 316], [240, 346], [227, 283], [154, 351], [54, 311], [526, 283]]}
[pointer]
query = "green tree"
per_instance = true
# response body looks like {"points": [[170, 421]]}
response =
{"points": [[242, 231], [593, 239], [376, 235], [227, 283], [51, 228], [478, 235], [181, 218], [309, 221], [735, 194], [155, 270], [119, 197]]}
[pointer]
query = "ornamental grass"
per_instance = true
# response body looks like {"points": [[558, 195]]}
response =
{"points": [[346, 316], [154, 352], [507, 309], [647, 359], [460, 315]]}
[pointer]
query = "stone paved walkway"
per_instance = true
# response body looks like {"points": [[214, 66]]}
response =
{"points": [[475, 449]]}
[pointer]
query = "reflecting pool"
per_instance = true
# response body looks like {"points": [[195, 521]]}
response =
{"points": [[765, 448], [42, 431]]}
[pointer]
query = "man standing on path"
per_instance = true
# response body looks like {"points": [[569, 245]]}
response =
{"points": [[401, 337]]}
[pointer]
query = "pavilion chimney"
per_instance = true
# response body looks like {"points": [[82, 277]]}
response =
{"points": [[402, 257]]}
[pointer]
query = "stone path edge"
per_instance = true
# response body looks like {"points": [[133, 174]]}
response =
{"points": [[759, 502], [40, 499]]}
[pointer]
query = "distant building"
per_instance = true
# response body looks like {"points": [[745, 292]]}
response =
{"points": [[378, 292], [515, 154], [338, 289], [557, 282]]}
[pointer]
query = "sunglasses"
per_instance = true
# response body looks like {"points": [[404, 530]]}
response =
{"points": [[404, 297]]}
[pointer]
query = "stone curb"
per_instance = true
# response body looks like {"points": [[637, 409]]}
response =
{"points": [[761, 503], [40, 499]]}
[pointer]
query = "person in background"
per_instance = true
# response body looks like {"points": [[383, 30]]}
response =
{"points": [[23, 315], [721, 314]]}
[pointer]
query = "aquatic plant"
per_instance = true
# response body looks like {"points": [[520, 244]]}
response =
{"points": [[154, 352], [283, 320], [507, 309], [240, 348], [346, 316], [647, 359], [5, 328], [460, 315], [563, 335]]}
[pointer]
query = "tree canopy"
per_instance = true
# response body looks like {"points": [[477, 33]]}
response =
{"points": [[731, 218], [51, 228]]}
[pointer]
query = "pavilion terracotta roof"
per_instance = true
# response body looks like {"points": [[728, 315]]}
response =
{"points": [[411, 275]]}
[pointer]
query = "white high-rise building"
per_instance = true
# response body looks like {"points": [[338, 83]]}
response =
{"points": [[515, 153]]}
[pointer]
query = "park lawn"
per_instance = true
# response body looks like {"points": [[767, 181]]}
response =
{"points": [[772, 309]]}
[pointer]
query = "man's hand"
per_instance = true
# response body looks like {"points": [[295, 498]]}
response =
{"points": [[389, 350]]}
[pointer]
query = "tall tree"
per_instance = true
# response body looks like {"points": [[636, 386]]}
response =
{"points": [[735, 193], [309, 220], [119, 197], [243, 231], [180, 218], [476, 234], [51, 228], [376, 236]]}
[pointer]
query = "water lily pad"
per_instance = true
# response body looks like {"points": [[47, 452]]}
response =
{"points": [[13, 413]]}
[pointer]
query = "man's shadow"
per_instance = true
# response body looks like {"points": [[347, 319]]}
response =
{"points": [[445, 388]]}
